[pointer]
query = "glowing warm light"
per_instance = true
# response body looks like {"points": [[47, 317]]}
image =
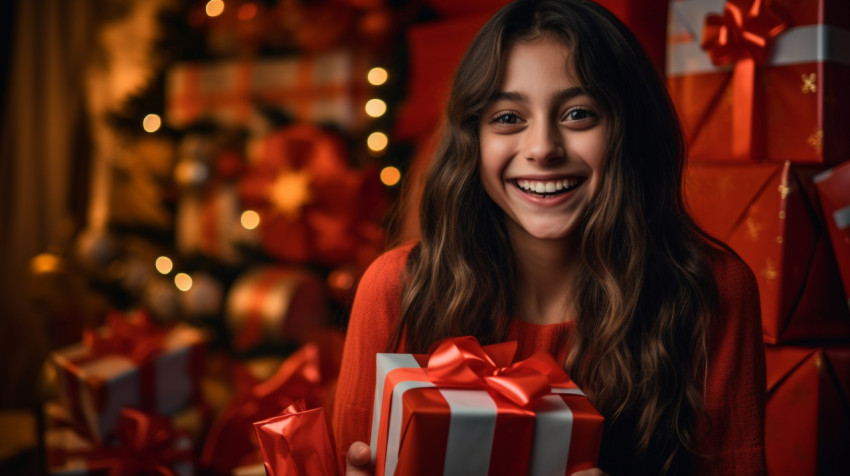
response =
{"points": [[45, 263], [247, 11], [183, 281], [390, 176], [376, 108], [377, 76], [341, 280], [290, 192], [164, 264], [215, 8], [377, 141], [151, 123], [250, 219]]}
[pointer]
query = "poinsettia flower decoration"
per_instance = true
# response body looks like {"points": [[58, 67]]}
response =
{"points": [[313, 207]]}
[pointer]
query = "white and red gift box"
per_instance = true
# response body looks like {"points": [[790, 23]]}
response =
{"points": [[833, 188], [150, 370], [424, 423]]}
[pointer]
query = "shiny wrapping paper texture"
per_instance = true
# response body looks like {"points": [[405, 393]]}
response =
{"points": [[423, 428], [94, 387], [833, 188], [798, 92], [769, 215], [808, 416]]}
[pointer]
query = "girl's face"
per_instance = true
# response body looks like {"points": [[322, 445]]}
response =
{"points": [[543, 141]]}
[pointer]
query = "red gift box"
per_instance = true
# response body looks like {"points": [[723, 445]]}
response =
{"points": [[327, 88], [767, 86], [833, 188], [767, 213], [807, 424], [298, 442], [464, 409], [207, 224], [128, 363]]}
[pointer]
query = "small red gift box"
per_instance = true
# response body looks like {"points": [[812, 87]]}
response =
{"points": [[807, 424], [327, 88], [464, 409], [767, 213], [298, 442], [833, 188], [761, 79], [128, 363], [208, 224]]}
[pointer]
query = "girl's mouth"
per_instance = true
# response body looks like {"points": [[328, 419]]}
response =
{"points": [[547, 188]]}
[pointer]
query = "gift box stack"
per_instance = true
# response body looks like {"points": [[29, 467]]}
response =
{"points": [[759, 87]]}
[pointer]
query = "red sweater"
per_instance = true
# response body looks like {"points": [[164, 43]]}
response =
{"points": [[735, 384]]}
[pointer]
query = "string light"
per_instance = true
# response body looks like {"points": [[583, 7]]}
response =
{"points": [[164, 264], [151, 123], [377, 141], [377, 76], [215, 8], [390, 176], [183, 281], [376, 107], [250, 219]]}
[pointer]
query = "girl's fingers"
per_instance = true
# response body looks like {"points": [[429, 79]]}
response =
{"points": [[358, 459]]}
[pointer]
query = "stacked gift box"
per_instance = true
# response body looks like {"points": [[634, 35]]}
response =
{"points": [[759, 89]]}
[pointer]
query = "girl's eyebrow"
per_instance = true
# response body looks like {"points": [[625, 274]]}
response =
{"points": [[561, 96]]}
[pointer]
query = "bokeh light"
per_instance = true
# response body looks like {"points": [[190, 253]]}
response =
{"points": [[151, 123], [215, 8], [390, 176], [247, 11], [250, 219], [183, 281], [377, 76], [377, 141], [376, 107], [164, 264]]}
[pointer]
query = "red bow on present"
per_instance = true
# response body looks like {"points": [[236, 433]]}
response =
{"points": [[744, 29], [147, 444], [132, 335], [461, 362]]}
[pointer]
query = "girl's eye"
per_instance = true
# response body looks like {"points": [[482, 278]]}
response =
{"points": [[579, 114], [505, 117]]}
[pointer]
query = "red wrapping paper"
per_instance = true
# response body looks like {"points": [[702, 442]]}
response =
{"points": [[323, 88], [308, 375], [807, 425], [833, 188], [777, 102], [298, 442], [129, 362], [466, 409], [768, 214]]}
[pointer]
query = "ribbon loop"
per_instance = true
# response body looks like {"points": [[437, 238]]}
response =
{"points": [[463, 363], [744, 29]]}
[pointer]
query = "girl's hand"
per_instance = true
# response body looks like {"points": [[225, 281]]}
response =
{"points": [[358, 460], [585, 472]]}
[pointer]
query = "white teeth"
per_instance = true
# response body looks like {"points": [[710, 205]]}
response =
{"points": [[547, 186]]}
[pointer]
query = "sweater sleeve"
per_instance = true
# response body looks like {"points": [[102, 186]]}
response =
{"points": [[373, 317], [733, 440]]}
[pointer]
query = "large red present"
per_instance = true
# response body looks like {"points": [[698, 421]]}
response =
{"points": [[767, 213], [761, 79], [298, 442], [833, 188], [128, 363], [465, 409], [327, 88], [807, 425]]}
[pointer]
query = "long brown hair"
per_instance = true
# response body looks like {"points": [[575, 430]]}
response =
{"points": [[647, 288]]}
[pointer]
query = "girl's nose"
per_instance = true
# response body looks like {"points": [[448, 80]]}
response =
{"points": [[543, 143]]}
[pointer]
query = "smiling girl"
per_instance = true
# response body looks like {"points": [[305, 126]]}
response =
{"points": [[553, 216]]}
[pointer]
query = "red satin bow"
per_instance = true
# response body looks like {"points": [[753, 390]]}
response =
{"points": [[134, 336], [744, 29], [147, 445], [462, 362]]}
